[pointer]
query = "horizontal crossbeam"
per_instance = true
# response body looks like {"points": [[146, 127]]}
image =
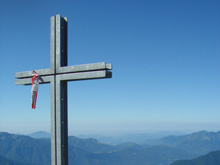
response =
{"points": [[84, 68], [66, 69], [85, 75], [68, 77], [26, 74], [27, 81]]}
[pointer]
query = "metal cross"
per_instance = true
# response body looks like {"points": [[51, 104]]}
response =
{"points": [[58, 75]]}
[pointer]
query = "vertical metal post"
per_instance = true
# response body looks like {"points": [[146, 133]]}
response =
{"points": [[53, 90], [61, 118], [61, 93]]}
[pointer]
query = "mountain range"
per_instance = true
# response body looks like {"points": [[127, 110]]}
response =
{"points": [[164, 151], [199, 143], [138, 138]]}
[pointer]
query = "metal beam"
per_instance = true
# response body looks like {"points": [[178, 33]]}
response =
{"points": [[66, 69], [27, 74], [84, 76], [61, 93], [53, 90], [68, 77], [53, 120], [27, 81], [85, 67]]}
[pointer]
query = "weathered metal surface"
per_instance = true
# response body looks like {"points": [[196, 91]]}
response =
{"points": [[84, 67], [83, 76], [27, 74], [27, 81], [53, 120], [61, 93], [53, 91], [66, 69], [52, 43]]}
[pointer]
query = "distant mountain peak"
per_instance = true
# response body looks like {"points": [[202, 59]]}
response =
{"points": [[40, 134]]}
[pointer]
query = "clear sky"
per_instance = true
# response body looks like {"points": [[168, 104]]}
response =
{"points": [[165, 56]]}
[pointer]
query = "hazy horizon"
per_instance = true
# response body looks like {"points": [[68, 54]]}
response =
{"points": [[211, 127]]}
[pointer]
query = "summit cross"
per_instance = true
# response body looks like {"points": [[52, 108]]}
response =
{"points": [[58, 75]]}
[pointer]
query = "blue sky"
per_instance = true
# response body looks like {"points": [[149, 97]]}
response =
{"points": [[165, 56]]}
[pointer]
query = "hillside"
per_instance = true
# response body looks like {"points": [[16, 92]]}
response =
{"points": [[24, 148], [5, 161], [153, 156], [198, 143], [213, 158]]}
